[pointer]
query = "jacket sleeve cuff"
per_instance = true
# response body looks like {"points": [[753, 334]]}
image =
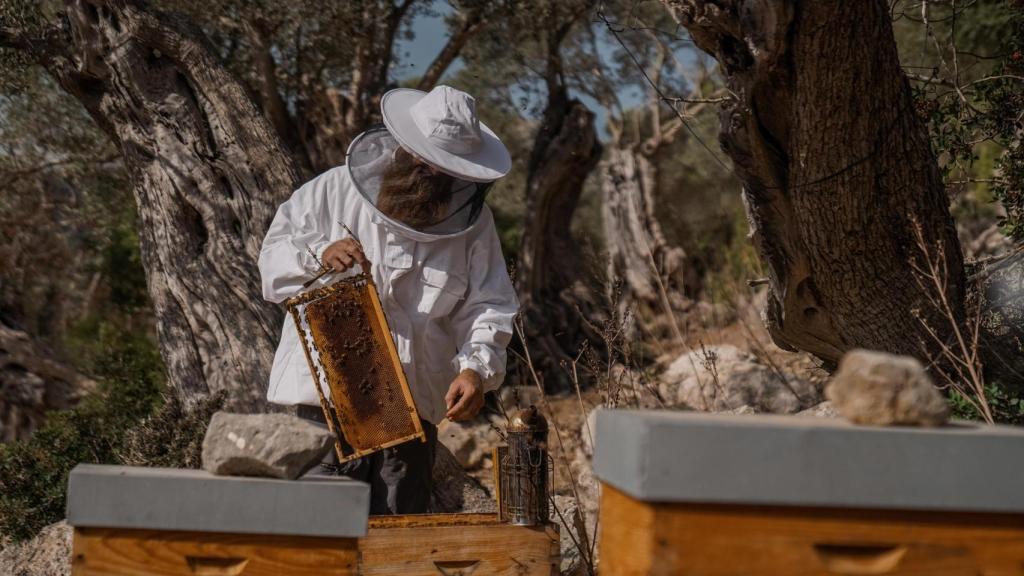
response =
{"points": [[491, 377], [318, 249]]}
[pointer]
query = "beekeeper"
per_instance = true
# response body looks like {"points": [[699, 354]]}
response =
{"points": [[412, 195]]}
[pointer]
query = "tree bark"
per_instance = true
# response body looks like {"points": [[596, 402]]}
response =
{"points": [[328, 119], [638, 254], [207, 171], [565, 151], [471, 24], [836, 168]]}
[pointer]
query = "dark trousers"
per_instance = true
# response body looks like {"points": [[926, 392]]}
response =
{"points": [[400, 477]]}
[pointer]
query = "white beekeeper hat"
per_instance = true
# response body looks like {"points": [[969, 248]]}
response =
{"points": [[440, 127]]}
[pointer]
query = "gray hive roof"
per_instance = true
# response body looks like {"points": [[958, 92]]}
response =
{"points": [[662, 456], [194, 500]]}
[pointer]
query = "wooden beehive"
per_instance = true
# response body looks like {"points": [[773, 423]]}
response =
{"points": [[149, 521], [162, 521], [350, 351], [701, 494]]}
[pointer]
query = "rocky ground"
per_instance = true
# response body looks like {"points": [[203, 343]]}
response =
{"points": [[733, 369], [48, 554], [744, 386]]}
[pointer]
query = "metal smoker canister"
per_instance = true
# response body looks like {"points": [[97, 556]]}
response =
{"points": [[524, 470]]}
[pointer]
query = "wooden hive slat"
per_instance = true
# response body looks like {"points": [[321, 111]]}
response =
{"points": [[124, 552]]}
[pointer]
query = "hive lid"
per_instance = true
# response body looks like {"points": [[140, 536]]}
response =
{"points": [[194, 500], [662, 456]]}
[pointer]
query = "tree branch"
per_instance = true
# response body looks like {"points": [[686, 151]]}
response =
{"points": [[471, 24]]}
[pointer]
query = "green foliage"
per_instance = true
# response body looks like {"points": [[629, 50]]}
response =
{"points": [[33, 473], [733, 262], [1005, 120], [173, 436], [1007, 407], [129, 419], [974, 107]]}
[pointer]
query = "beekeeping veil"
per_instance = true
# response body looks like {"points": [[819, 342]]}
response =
{"points": [[440, 129]]}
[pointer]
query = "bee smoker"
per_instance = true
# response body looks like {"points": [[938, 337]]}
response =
{"points": [[523, 470]]}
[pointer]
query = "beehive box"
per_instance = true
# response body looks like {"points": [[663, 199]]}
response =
{"points": [[701, 494], [153, 521], [162, 521]]}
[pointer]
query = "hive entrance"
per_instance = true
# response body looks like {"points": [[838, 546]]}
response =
{"points": [[352, 357]]}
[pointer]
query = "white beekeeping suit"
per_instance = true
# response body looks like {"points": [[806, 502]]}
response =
{"points": [[445, 290]]}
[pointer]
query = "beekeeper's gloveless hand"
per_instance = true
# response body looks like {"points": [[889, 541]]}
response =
{"points": [[344, 254], [465, 396]]}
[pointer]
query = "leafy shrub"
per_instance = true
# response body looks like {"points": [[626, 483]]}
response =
{"points": [[130, 420], [33, 473], [173, 436], [1007, 407], [977, 129]]}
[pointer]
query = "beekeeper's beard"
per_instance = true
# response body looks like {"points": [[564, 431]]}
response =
{"points": [[411, 194]]}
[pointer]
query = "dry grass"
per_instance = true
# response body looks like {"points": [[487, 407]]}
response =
{"points": [[958, 359]]}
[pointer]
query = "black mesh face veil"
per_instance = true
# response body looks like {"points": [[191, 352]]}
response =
{"points": [[369, 157]]}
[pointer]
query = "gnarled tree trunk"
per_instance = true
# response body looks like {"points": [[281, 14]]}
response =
{"points": [[565, 151], [836, 168], [650, 269], [208, 172]]}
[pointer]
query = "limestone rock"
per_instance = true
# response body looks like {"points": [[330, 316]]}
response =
{"points": [[521, 396], [566, 511], [568, 519], [471, 443], [588, 487], [723, 378], [587, 431], [714, 314], [987, 243], [274, 445], [48, 554], [876, 388], [461, 442], [822, 410]]}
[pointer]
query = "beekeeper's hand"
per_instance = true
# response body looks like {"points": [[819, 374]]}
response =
{"points": [[465, 396], [344, 254]]}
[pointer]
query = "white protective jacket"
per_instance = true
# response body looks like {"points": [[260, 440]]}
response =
{"points": [[448, 299]]}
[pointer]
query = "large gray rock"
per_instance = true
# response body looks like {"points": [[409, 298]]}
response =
{"points": [[876, 388], [566, 515], [461, 442], [48, 554], [585, 498], [723, 378], [272, 445], [587, 431]]}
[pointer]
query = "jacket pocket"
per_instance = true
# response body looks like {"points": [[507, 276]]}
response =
{"points": [[442, 291]]}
